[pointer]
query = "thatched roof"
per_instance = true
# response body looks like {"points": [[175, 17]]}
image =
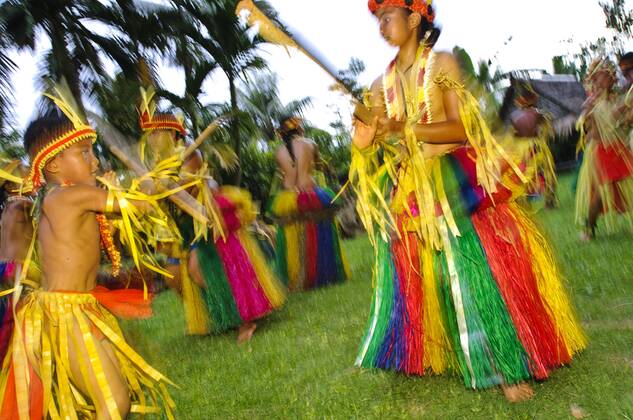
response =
{"points": [[561, 96]]}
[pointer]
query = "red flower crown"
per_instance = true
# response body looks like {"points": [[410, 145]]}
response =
{"points": [[422, 7]]}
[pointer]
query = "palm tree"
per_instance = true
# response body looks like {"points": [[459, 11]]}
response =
{"points": [[259, 99], [197, 66], [76, 45], [6, 67], [220, 33]]}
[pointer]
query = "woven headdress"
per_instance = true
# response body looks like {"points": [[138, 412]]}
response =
{"points": [[423, 7], [152, 120], [78, 130], [601, 64]]}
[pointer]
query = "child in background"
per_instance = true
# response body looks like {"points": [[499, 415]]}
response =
{"points": [[225, 280], [16, 232]]}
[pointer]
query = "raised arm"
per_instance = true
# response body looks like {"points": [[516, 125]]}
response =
{"points": [[91, 199]]}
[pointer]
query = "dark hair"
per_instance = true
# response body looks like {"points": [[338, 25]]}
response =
{"points": [[43, 130], [427, 29], [627, 57], [287, 134]]}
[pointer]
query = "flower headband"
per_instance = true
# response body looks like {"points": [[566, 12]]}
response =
{"points": [[80, 130], [291, 123], [423, 7]]}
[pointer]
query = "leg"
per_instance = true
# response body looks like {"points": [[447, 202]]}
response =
{"points": [[89, 385], [595, 206], [194, 269], [175, 282], [246, 332]]}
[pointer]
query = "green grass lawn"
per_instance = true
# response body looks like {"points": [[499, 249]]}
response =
{"points": [[300, 361]]}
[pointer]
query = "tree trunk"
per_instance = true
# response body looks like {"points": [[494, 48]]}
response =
{"points": [[235, 130]]}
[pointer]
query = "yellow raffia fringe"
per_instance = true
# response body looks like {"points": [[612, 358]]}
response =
{"points": [[285, 205], [490, 155], [273, 289], [549, 283], [535, 154], [205, 198], [436, 340], [366, 178], [139, 230], [241, 199], [196, 313], [49, 322]]}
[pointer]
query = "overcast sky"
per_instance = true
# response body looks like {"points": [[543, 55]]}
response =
{"points": [[341, 29]]}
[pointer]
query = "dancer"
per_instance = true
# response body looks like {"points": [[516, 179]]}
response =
{"points": [[16, 231], [605, 182], [532, 131], [233, 285], [464, 281], [626, 106], [68, 357], [308, 246]]}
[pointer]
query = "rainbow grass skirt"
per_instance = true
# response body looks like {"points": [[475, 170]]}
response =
{"points": [[240, 285], [490, 305], [308, 245]]}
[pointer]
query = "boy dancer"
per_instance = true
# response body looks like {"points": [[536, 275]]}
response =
{"points": [[68, 357]]}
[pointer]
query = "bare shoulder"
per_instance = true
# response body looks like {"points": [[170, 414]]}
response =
{"points": [[445, 58], [376, 85], [309, 144], [69, 197], [444, 69], [446, 62]]}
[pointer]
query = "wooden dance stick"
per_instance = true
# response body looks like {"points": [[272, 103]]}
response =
{"points": [[272, 33], [202, 137], [115, 141]]}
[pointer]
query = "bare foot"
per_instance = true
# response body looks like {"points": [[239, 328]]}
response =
{"points": [[246, 332], [518, 393]]}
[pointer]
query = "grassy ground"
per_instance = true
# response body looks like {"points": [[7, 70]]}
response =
{"points": [[300, 361]]}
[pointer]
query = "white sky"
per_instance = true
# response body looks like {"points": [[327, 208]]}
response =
{"points": [[341, 29]]}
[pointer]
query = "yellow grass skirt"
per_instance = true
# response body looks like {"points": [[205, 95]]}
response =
{"points": [[37, 380]]}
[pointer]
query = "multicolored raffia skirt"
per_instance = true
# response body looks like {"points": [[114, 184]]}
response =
{"points": [[607, 171], [38, 376], [490, 305], [239, 285], [308, 245]]}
